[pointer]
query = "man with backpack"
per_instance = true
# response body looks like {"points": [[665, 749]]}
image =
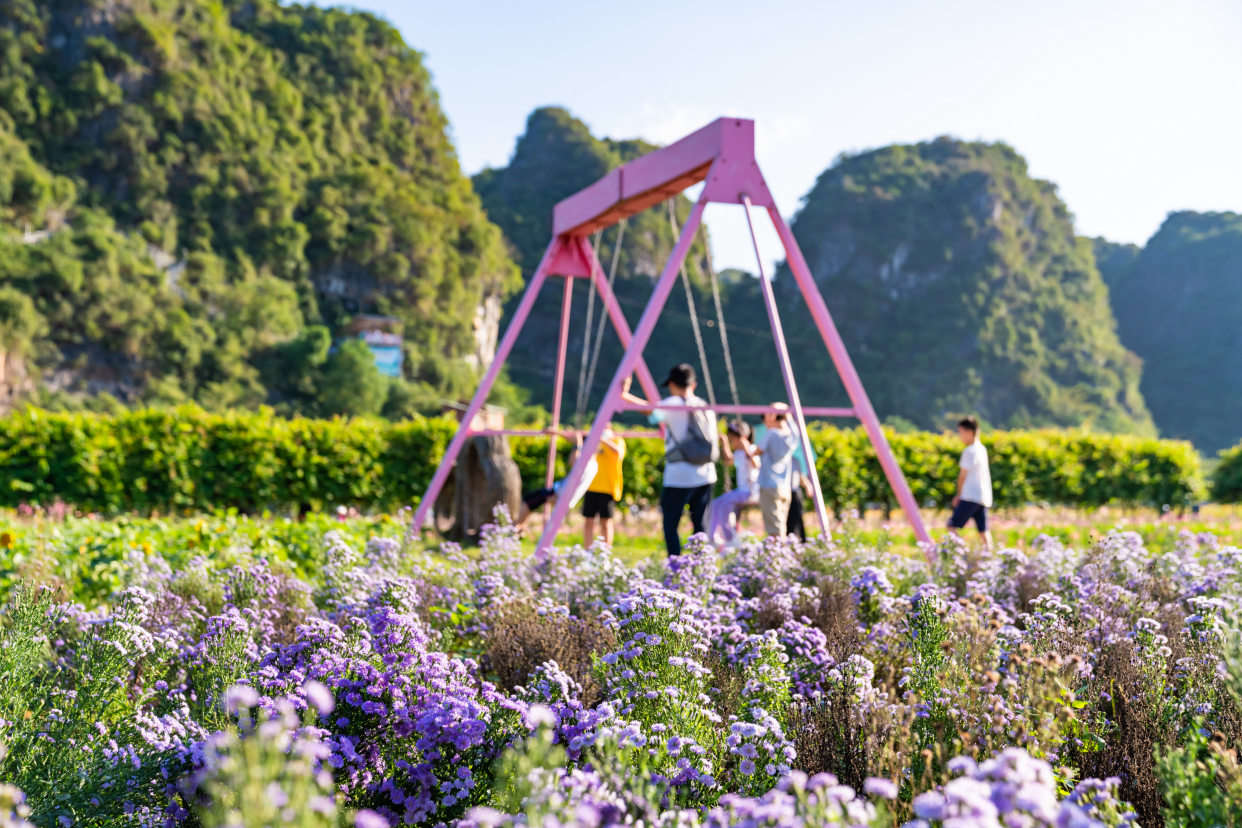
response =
{"points": [[691, 448]]}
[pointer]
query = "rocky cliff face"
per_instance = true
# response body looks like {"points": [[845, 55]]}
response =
{"points": [[959, 286], [293, 154], [1179, 306]]}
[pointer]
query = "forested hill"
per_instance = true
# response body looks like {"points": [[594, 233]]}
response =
{"points": [[194, 193], [959, 286], [1179, 306], [554, 158]]}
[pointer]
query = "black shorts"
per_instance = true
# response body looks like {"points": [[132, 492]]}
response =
{"points": [[964, 511], [537, 498], [597, 504]]}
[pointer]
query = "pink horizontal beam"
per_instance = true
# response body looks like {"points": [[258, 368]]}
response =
{"points": [[746, 409], [534, 432], [659, 175]]}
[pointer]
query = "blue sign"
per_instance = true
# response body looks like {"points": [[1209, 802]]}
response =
{"points": [[387, 359]]}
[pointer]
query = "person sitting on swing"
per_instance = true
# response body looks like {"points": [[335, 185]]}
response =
{"points": [[536, 499], [691, 448], [728, 506]]}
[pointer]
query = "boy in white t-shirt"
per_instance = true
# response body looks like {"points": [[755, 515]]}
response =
{"points": [[974, 484], [726, 507]]}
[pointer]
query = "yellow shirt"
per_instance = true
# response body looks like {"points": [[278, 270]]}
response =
{"points": [[608, 479]]}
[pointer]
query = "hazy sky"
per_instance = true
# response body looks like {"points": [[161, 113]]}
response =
{"points": [[1132, 108]]}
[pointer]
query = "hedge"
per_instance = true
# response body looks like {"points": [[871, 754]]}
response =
{"points": [[1227, 476], [178, 459]]}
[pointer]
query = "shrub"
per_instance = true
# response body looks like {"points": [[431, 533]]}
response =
{"points": [[520, 638], [1227, 476], [184, 458]]}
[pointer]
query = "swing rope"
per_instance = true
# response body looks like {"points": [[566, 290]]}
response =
{"points": [[586, 340], [586, 377], [698, 334], [720, 323], [694, 317]]}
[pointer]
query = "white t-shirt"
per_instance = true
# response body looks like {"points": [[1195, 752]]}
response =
{"points": [[747, 470], [679, 474], [977, 487], [778, 446]]}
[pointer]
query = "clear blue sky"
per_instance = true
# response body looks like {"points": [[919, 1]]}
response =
{"points": [[1132, 108]]}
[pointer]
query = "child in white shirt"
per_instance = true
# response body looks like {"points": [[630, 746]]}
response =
{"points": [[726, 507], [974, 484]]}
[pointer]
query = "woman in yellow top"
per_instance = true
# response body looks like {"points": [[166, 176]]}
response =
{"points": [[605, 490]]}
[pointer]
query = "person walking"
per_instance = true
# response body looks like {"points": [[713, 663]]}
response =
{"points": [[691, 448], [776, 448], [974, 483], [726, 508], [604, 492]]}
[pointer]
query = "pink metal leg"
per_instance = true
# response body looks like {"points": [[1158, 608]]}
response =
{"points": [[849, 377], [791, 387], [485, 387], [618, 319], [562, 348], [628, 362]]}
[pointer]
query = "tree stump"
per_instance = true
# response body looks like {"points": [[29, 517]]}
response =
{"points": [[485, 475]]}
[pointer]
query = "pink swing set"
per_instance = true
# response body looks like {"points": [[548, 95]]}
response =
{"points": [[721, 154]]}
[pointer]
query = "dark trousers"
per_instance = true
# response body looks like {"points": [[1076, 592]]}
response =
{"points": [[793, 523], [672, 501]]}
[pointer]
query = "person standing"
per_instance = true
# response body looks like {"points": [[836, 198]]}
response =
{"points": [[691, 448], [776, 448], [974, 483], [605, 490]]}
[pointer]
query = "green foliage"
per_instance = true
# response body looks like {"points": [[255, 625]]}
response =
{"points": [[91, 560], [1047, 466], [62, 730], [1201, 784], [352, 385], [1180, 311], [959, 286], [263, 773], [295, 159], [178, 459], [1227, 476], [1201, 781]]}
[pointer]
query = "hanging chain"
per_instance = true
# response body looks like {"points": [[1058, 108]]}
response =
{"points": [[599, 337], [694, 317], [586, 341]]}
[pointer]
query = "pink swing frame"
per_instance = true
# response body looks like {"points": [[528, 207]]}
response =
{"points": [[722, 154]]}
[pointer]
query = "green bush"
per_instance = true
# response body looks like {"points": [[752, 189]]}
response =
{"points": [[179, 459], [1047, 466], [1227, 476]]}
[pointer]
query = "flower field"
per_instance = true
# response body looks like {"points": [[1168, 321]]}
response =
{"points": [[235, 672]]}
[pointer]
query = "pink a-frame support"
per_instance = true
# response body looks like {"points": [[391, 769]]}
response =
{"points": [[722, 155]]}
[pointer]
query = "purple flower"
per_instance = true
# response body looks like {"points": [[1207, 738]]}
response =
{"points": [[319, 696], [369, 819], [239, 696], [883, 788]]}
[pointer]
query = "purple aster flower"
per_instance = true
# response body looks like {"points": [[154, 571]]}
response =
{"points": [[883, 788], [369, 819]]}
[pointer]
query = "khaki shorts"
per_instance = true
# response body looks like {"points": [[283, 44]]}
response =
{"points": [[775, 506]]}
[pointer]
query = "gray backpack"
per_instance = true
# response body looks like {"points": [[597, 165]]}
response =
{"points": [[698, 448]]}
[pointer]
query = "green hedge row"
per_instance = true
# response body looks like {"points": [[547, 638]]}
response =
{"points": [[183, 458], [1227, 476]]}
